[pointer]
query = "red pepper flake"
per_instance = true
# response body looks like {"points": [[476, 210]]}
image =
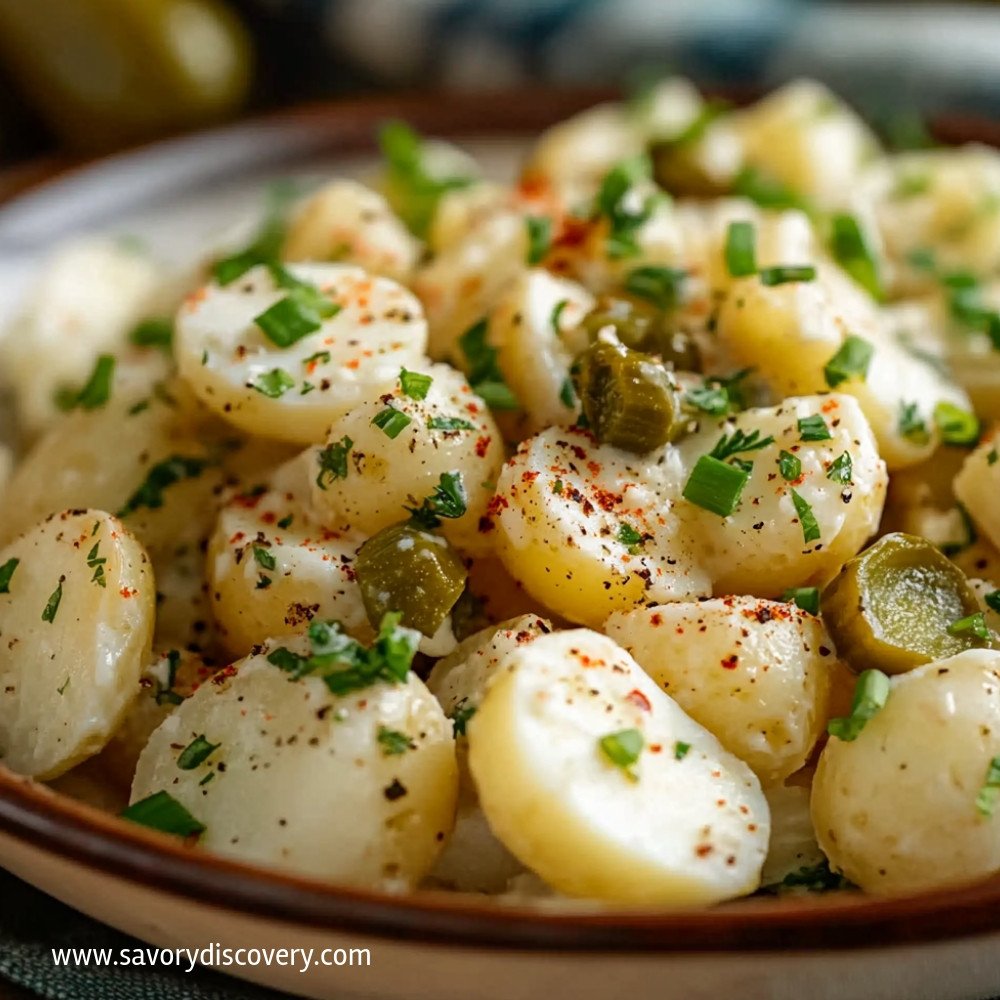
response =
{"points": [[703, 850], [482, 445], [656, 748], [497, 503], [829, 406], [247, 500], [354, 364], [594, 468], [730, 662], [528, 476], [637, 698], [578, 452], [127, 593], [269, 517], [607, 500], [656, 619]]}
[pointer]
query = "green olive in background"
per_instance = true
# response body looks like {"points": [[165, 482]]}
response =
{"points": [[895, 606], [678, 169], [641, 326], [628, 398], [403, 568]]}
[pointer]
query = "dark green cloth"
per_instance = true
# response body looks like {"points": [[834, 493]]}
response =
{"points": [[31, 924]]}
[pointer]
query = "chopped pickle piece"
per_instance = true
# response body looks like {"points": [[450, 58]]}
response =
{"points": [[678, 169], [403, 568], [628, 397], [892, 606], [641, 326]]}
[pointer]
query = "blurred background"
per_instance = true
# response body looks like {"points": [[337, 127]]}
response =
{"points": [[79, 77]]}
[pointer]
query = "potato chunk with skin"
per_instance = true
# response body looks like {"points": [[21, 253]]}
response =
{"points": [[761, 548], [791, 332], [272, 568], [536, 328], [307, 784], [756, 674], [294, 393], [558, 517], [449, 430], [345, 221], [686, 826], [978, 485], [76, 616], [896, 809]]}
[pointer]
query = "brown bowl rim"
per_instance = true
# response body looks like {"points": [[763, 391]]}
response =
{"points": [[72, 830]]}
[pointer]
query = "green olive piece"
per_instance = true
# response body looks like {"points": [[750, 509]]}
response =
{"points": [[403, 568], [892, 606], [676, 169], [628, 397], [643, 327]]}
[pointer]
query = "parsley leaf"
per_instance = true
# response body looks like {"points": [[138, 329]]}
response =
{"points": [[332, 462]]}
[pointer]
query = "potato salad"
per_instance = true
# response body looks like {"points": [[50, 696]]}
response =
{"points": [[626, 532]]}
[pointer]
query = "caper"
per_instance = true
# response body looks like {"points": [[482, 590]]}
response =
{"points": [[644, 327], [628, 398], [893, 607], [403, 568]]}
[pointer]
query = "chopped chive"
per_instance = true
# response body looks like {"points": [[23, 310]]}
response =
{"points": [[332, 462], [416, 385], [681, 750], [814, 428], [155, 332], [557, 311], [911, 425], [391, 421], [623, 749], [95, 392], [161, 811], [196, 752], [285, 522], [715, 485], [567, 395], [971, 625], [766, 191], [539, 237], [810, 526], [870, 696], [771, 276], [741, 249], [841, 470], [273, 384], [7, 574], [264, 558], [450, 424], [957, 426], [319, 358], [989, 794], [806, 598], [485, 376], [298, 314], [624, 215], [393, 742], [789, 466], [52, 606], [659, 285], [629, 537], [853, 253], [852, 360]]}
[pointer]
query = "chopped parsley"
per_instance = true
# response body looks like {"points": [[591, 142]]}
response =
{"points": [[332, 462], [989, 795], [852, 360], [319, 358], [539, 237], [485, 377], [854, 254], [841, 470], [265, 247], [343, 664], [741, 249], [196, 752], [681, 750], [448, 500], [620, 204], [789, 465], [154, 332], [715, 485], [95, 392], [738, 442], [393, 742], [460, 717], [392, 422], [161, 476], [623, 749], [7, 574], [450, 424], [165, 694], [273, 384], [659, 285], [812, 878], [992, 600], [957, 426], [870, 696], [52, 607], [911, 424], [806, 598], [286, 522], [96, 563], [416, 385], [718, 396], [264, 558], [161, 811], [567, 394], [810, 526], [814, 428], [629, 537]]}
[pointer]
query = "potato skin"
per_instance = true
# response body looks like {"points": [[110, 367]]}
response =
{"points": [[755, 673], [301, 780], [73, 648], [895, 810]]}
